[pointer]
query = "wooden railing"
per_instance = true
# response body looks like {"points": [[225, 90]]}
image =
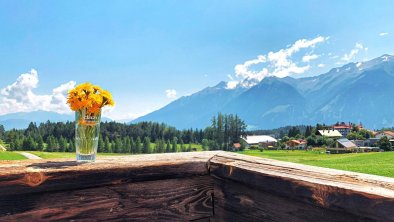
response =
{"points": [[198, 186]]}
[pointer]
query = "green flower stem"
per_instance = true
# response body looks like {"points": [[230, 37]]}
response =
{"points": [[86, 133]]}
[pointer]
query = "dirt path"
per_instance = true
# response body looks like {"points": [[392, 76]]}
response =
{"points": [[30, 156]]}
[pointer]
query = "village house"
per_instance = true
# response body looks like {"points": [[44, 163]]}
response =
{"points": [[236, 146], [334, 134], [387, 134], [260, 140], [296, 144], [344, 128]]}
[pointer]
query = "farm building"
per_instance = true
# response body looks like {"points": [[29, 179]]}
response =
{"points": [[262, 140], [335, 134], [345, 143]]}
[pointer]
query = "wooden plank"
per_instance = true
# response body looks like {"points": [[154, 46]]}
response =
{"points": [[188, 199], [21, 177], [362, 195], [235, 201]]}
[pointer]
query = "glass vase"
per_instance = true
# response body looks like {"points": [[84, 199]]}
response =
{"points": [[87, 130]]}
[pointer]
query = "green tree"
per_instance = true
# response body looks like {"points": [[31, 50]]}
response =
{"points": [[40, 144], [107, 145], [174, 147], [132, 145], [146, 147], [71, 145], [308, 131], [189, 147], [29, 144], [127, 145], [182, 146], [62, 144], [204, 144], [138, 145], [101, 145], [168, 146], [384, 144]]}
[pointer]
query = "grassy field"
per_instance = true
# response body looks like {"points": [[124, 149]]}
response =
{"points": [[372, 163], [4, 155]]}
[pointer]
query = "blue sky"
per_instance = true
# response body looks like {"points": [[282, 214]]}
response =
{"points": [[148, 53]]}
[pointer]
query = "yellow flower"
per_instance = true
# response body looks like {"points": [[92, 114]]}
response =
{"points": [[89, 97], [107, 98]]}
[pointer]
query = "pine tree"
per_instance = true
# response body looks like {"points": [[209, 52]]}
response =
{"points": [[204, 144], [62, 144], [182, 146], [174, 148], [126, 145], [168, 146], [138, 145], [101, 145], [146, 147], [107, 145], [113, 147], [132, 145], [71, 146]]}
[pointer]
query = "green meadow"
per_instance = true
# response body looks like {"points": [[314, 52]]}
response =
{"points": [[381, 163]]}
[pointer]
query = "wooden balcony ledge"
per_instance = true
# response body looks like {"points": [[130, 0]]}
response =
{"points": [[198, 186]]}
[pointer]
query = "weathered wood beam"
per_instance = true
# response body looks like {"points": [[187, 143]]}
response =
{"points": [[184, 199], [29, 176], [362, 196]]}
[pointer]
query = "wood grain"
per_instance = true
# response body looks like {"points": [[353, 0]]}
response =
{"points": [[21, 177], [163, 200], [179, 187], [238, 202], [360, 195]]}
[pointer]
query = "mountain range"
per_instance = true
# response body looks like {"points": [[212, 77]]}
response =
{"points": [[360, 92], [21, 120]]}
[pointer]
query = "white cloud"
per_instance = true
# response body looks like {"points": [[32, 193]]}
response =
{"points": [[321, 65], [171, 93], [19, 96], [383, 33], [308, 58], [352, 54], [278, 64], [232, 84]]}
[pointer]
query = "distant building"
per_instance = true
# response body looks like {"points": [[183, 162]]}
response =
{"points": [[359, 143], [345, 143], [257, 140], [371, 142], [335, 134], [296, 144], [344, 128], [236, 146], [388, 134]]}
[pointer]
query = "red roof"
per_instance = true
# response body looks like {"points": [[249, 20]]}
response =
{"points": [[342, 127], [389, 133], [237, 145]]}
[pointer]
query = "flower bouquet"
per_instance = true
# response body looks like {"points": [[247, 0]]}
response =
{"points": [[87, 100]]}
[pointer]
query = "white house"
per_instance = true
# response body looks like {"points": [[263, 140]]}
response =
{"points": [[330, 133], [388, 134], [260, 139]]}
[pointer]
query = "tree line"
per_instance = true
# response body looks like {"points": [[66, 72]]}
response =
{"points": [[225, 130]]}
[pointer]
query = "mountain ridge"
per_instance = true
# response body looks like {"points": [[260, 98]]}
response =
{"points": [[276, 102]]}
